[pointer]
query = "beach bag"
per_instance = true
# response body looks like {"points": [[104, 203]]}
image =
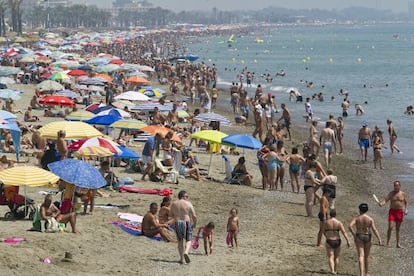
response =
{"points": [[51, 225], [155, 178]]}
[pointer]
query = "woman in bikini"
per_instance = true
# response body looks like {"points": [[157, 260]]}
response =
{"points": [[331, 229], [262, 165], [393, 137], [340, 137], [362, 236], [313, 138], [311, 181], [281, 158], [295, 161]]}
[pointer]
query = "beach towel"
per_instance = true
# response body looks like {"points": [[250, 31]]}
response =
{"points": [[111, 206], [161, 192], [13, 240], [130, 217], [133, 228]]}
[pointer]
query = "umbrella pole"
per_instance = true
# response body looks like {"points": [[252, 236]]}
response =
{"points": [[209, 164]]}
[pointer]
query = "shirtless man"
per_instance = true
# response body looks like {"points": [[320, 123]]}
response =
{"points": [[328, 142], [398, 201], [62, 148], [151, 227], [362, 236], [345, 107], [157, 117], [173, 115], [364, 135], [48, 209], [184, 217], [286, 118], [323, 213]]}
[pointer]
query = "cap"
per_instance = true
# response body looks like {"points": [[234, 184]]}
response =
{"points": [[364, 124]]}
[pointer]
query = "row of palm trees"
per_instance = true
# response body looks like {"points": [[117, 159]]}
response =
{"points": [[15, 16]]}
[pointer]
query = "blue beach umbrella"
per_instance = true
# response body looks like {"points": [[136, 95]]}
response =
{"points": [[9, 94], [242, 141], [104, 120], [78, 172], [5, 115], [126, 153]]}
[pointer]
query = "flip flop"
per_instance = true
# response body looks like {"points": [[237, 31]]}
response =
{"points": [[187, 259]]}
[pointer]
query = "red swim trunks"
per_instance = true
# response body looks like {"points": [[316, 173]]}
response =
{"points": [[396, 215]]}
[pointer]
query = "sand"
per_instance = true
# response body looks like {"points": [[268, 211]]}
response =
{"points": [[275, 236]]}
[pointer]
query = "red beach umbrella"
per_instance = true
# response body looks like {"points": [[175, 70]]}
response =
{"points": [[57, 100], [136, 79], [77, 73]]}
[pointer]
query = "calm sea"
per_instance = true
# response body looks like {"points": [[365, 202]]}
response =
{"points": [[379, 57]]}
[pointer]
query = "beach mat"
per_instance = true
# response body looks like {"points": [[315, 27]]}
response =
{"points": [[161, 192], [111, 206], [133, 228]]}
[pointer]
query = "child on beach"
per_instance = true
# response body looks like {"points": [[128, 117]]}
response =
{"points": [[207, 235], [233, 227], [88, 197]]}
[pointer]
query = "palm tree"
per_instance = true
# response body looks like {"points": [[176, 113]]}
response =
{"points": [[3, 9]]}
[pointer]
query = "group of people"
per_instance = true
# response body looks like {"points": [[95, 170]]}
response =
{"points": [[180, 217]]}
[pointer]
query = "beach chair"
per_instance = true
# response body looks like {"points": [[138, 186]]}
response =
{"points": [[171, 173], [230, 177]]}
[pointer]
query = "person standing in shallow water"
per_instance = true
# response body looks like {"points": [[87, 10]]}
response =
{"points": [[393, 137]]}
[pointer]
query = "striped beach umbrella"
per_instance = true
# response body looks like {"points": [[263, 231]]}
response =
{"points": [[79, 116], [27, 176], [95, 142], [93, 151], [212, 117], [74, 130], [129, 124]]}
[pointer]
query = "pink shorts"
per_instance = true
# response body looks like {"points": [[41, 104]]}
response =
{"points": [[396, 215]]}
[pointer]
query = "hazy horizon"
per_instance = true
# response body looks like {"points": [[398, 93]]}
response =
{"points": [[179, 5]]}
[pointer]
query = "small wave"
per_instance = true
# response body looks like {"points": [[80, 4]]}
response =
{"points": [[283, 89], [411, 165]]}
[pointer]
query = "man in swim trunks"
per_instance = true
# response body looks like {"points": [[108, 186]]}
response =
{"points": [[362, 236], [364, 135], [286, 117], [328, 142], [151, 227], [184, 217], [398, 201]]}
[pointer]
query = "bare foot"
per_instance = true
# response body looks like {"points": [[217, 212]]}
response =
{"points": [[399, 246]]}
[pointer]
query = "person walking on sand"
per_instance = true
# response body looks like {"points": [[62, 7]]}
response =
{"points": [[323, 213], [233, 227], [340, 134], [328, 142], [393, 137], [398, 208], [286, 117], [331, 229], [364, 135], [295, 160], [362, 237], [185, 220], [311, 181]]}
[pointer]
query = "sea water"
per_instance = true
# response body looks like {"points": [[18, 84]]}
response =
{"points": [[374, 63]]}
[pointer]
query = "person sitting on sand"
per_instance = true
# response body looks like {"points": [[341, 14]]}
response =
{"points": [[240, 172], [28, 117], [164, 212], [49, 113], [151, 226], [34, 104], [48, 210], [189, 168]]}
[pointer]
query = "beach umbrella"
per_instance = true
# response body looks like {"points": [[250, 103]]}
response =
{"points": [[27, 176], [149, 106], [126, 153], [92, 81], [137, 80], [6, 80], [121, 104], [112, 111], [132, 96], [77, 73], [213, 136], [174, 98], [93, 151], [78, 172], [104, 120], [116, 61], [160, 129], [137, 73], [145, 68], [106, 68], [79, 116], [181, 113], [151, 91], [74, 130], [49, 85], [68, 94], [8, 71], [59, 76], [8, 116], [96, 142], [129, 124], [57, 100], [104, 76], [95, 106], [9, 94], [27, 59], [212, 117], [242, 141]]}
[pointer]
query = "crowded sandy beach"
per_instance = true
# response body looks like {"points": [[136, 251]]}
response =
{"points": [[289, 199]]}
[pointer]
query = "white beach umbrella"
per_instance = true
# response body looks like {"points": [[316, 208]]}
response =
{"points": [[132, 96]]}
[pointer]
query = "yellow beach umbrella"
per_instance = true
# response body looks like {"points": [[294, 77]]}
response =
{"points": [[213, 136], [181, 113], [79, 116], [27, 176], [74, 130], [129, 124]]}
